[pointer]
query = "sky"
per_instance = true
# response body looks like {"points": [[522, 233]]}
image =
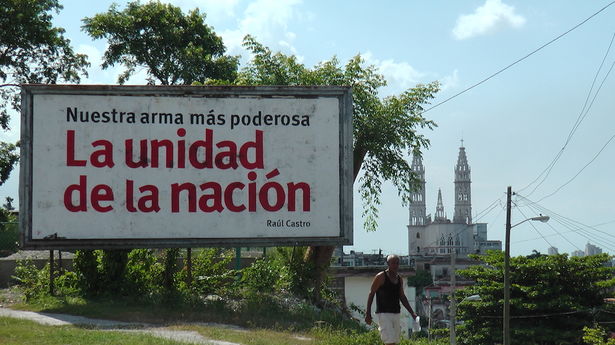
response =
{"points": [[552, 112]]}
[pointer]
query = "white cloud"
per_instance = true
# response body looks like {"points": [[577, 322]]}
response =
{"points": [[450, 81], [266, 20], [215, 9], [487, 18], [399, 75]]}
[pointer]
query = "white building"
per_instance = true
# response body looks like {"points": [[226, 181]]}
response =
{"points": [[590, 249], [578, 253], [552, 251], [441, 236]]}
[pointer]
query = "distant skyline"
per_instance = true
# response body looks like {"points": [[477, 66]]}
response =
{"points": [[513, 125]]}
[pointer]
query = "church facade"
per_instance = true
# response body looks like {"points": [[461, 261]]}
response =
{"points": [[440, 236]]}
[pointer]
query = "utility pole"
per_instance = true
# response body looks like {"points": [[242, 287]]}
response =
{"points": [[453, 308], [506, 316]]}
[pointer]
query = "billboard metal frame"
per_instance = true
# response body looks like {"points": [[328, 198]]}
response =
{"points": [[343, 94]]}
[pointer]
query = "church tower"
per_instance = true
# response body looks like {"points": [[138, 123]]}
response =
{"points": [[418, 209], [463, 195], [440, 215]]}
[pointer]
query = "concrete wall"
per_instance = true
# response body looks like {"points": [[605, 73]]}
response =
{"points": [[356, 289], [7, 269]]}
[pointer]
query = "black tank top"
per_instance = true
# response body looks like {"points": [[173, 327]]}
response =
{"points": [[387, 296]]}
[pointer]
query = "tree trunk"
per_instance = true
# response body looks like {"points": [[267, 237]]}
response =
{"points": [[318, 258]]}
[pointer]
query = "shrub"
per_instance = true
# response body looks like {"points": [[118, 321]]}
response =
{"points": [[34, 282], [144, 273], [210, 273], [9, 233], [262, 276]]}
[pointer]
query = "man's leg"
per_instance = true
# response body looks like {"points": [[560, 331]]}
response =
{"points": [[389, 327]]}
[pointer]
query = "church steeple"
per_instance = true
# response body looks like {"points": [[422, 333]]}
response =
{"points": [[463, 195], [418, 208], [440, 215]]}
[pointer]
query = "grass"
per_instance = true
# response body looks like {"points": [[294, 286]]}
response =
{"points": [[256, 312], [253, 336], [19, 332], [263, 320]]}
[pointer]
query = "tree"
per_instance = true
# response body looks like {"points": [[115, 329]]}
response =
{"points": [[552, 298], [383, 129], [420, 281], [174, 48], [32, 50]]}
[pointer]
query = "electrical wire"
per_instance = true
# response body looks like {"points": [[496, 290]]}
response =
{"points": [[580, 171], [577, 227], [517, 61], [584, 111], [544, 238]]}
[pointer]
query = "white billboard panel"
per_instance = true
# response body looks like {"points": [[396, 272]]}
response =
{"points": [[164, 166]]}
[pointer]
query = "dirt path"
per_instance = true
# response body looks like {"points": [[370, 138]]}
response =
{"points": [[189, 337]]}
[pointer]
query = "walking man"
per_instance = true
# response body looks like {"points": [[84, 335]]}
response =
{"points": [[389, 290]]}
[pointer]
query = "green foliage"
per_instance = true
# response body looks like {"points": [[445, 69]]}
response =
{"points": [[9, 233], [169, 260], [86, 265], [328, 336], [33, 281], [210, 273], [173, 47], [596, 336], [295, 273], [420, 280], [262, 276], [383, 129], [144, 273], [8, 156], [552, 298], [32, 50], [113, 265]]}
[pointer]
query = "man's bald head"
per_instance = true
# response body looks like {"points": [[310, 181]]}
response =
{"points": [[392, 259]]}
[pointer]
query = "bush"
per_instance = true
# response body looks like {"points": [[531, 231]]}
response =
{"points": [[86, 265], [263, 276], [144, 273], [34, 282], [9, 233], [210, 273]]}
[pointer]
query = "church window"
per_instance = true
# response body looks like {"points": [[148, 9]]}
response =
{"points": [[442, 242], [418, 235], [418, 249], [450, 240]]}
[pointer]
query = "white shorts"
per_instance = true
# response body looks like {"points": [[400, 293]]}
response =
{"points": [[389, 327]]}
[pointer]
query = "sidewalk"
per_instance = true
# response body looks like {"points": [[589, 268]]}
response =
{"points": [[189, 337]]}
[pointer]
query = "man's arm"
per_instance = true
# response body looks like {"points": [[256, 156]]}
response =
{"points": [[404, 299], [376, 283]]}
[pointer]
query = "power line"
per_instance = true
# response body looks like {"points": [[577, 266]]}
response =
{"points": [[584, 111], [579, 172], [576, 227], [544, 238], [518, 60]]}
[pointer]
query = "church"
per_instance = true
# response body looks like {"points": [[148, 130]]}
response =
{"points": [[439, 237]]}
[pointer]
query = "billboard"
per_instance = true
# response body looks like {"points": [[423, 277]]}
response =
{"points": [[149, 166]]}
